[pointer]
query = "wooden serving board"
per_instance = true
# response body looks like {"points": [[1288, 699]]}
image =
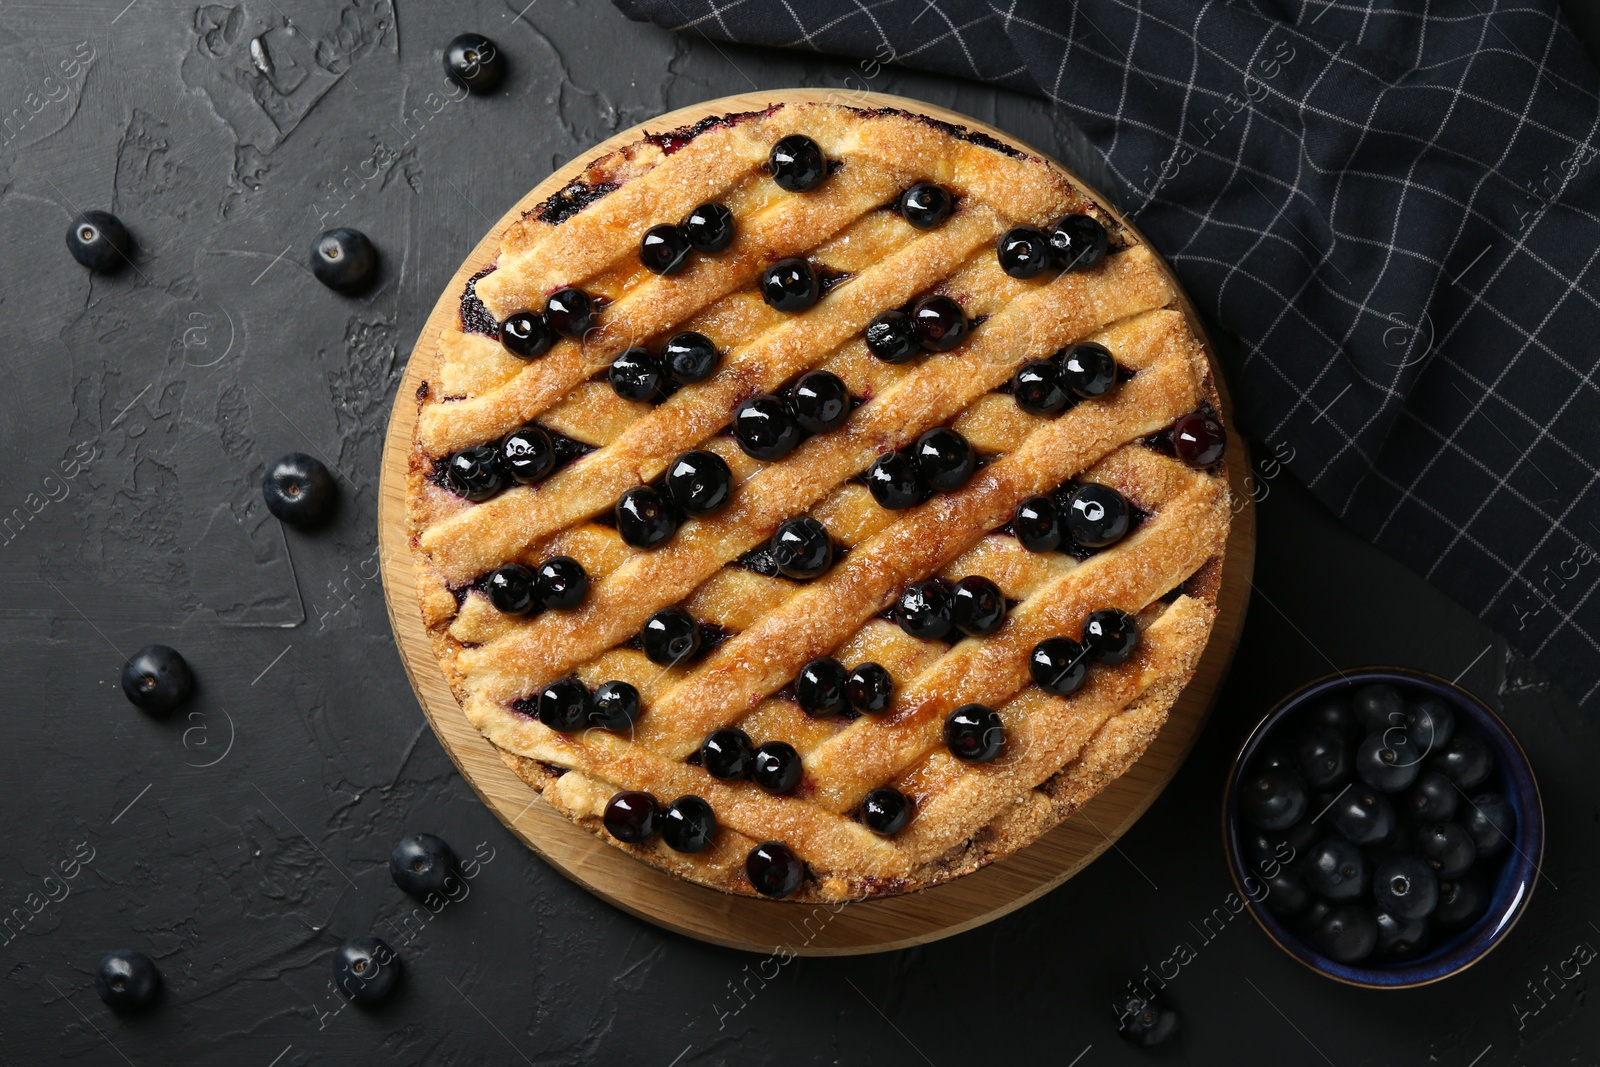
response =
{"points": [[743, 922]]}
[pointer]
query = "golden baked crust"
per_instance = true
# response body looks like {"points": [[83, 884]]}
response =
{"points": [[1060, 751]]}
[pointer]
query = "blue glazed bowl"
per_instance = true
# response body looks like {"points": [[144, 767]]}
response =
{"points": [[1509, 887]]}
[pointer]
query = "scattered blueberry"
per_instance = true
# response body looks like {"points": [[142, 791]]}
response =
{"points": [[1447, 848], [765, 428], [633, 816], [939, 323], [1058, 665], [1386, 767], [773, 869], [1079, 242], [869, 688], [1198, 439], [1465, 759], [1097, 516], [1036, 387], [820, 401], [790, 285], [802, 548], [699, 483], [891, 337], [926, 609], [925, 205], [1025, 252], [727, 754], [670, 636], [1433, 798], [709, 228], [421, 864], [1336, 870], [614, 706], [819, 687], [978, 607], [127, 980], [797, 163], [688, 825], [1273, 800], [894, 482], [1111, 635], [513, 589], [1405, 888], [157, 679], [299, 491], [886, 811], [644, 519], [473, 62], [570, 313], [1489, 821], [776, 767], [974, 733], [474, 473], [563, 583], [365, 969], [1348, 934], [564, 705], [527, 455], [664, 249], [1037, 524], [98, 240], [1142, 1020], [1362, 815], [1089, 370], [690, 357], [635, 374], [526, 335], [945, 460], [343, 259]]}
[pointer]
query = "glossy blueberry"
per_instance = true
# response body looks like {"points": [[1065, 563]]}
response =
{"points": [[690, 357], [1362, 815], [1336, 870], [633, 816], [474, 473], [945, 460], [1489, 821], [1272, 800], [1313, 915], [343, 259], [1110, 635], [925, 205], [886, 811], [1088, 370], [1144, 1020], [699, 483], [1036, 387], [421, 864], [802, 548], [570, 313], [670, 636], [977, 607], [1384, 766], [1347, 933], [1430, 723], [513, 589], [939, 323], [98, 240], [473, 62], [765, 428], [773, 869], [1461, 902], [644, 519], [299, 491], [614, 706], [820, 401], [664, 249], [1323, 758], [1432, 798], [1078, 242], [635, 374], [926, 609], [797, 163], [1379, 707], [1097, 516], [1405, 888], [527, 455], [1058, 665], [709, 228], [1285, 893], [1465, 760], [563, 583], [1400, 939], [894, 481], [776, 767], [1025, 252], [1198, 439], [366, 970], [819, 687], [974, 733], [526, 335], [1037, 524], [688, 825], [790, 285], [869, 688], [891, 338], [1334, 713], [564, 705], [1447, 848], [727, 754], [127, 980], [157, 679]]}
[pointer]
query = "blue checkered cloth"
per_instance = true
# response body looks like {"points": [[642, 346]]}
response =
{"points": [[1392, 212]]}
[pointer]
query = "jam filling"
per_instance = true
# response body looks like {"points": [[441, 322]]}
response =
{"points": [[475, 316]]}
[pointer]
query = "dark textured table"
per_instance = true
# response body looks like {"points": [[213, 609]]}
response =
{"points": [[239, 841]]}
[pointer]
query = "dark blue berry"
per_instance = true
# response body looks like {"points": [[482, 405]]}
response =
{"points": [[891, 337], [343, 259], [797, 163], [473, 62], [1058, 665], [635, 374], [1285, 893], [977, 607], [1143, 1020], [299, 491], [526, 335], [869, 688], [1447, 848], [1336, 870], [421, 864], [1037, 524], [366, 970], [925, 205], [564, 705], [819, 687], [688, 825], [563, 583], [527, 455], [939, 323], [664, 249], [1037, 389], [570, 313], [157, 679], [945, 460], [926, 610], [1088, 370], [790, 285], [802, 548], [1432, 798], [1405, 888], [699, 483], [1489, 821], [1025, 252], [513, 589], [974, 733], [776, 767], [1198, 439], [1461, 902], [1465, 760], [127, 980], [1347, 934], [1379, 707], [1362, 815], [670, 636], [765, 428], [98, 240], [1078, 242], [773, 869], [1400, 939], [644, 519], [1430, 724], [690, 357], [1272, 799], [727, 754], [886, 811], [474, 473], [820, 401], [709, 228], [1110, 635], [894, 482], [1323, 758], [1386, 767], [1097, 516], [1335, 713], [614, 706], [633, 817]]}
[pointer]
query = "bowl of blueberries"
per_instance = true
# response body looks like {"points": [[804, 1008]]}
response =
{"points": [[1384, 827]]}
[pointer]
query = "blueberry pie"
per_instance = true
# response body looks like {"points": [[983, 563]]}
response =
{"points": [[819, 503]]}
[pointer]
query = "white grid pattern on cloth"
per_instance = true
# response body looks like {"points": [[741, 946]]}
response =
{"points": [[1390, 156]]}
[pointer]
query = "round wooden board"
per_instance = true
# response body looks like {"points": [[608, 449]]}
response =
{"points": [[743, 922]]}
